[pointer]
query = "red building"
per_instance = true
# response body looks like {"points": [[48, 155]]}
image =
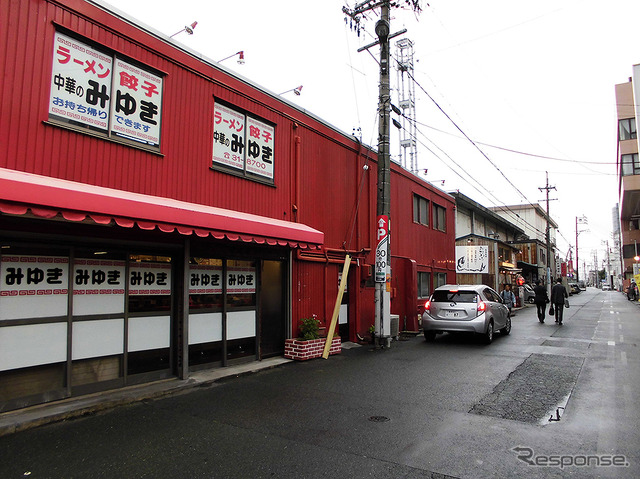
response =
{"points": [[159, 215]]}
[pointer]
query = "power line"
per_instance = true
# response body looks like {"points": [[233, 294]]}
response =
{"points": [[484, 192], [535, 155]]}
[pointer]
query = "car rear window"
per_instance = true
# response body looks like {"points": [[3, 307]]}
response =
{"points": [[456, 296]]}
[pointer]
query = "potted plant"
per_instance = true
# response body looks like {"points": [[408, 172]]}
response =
{"points": [[310, 345]]}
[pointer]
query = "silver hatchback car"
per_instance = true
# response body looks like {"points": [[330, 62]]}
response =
{"points": [[465, 308]]}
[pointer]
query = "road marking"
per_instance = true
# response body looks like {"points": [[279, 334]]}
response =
{"points": [[611, 343], [621, 338], [623, 358]]}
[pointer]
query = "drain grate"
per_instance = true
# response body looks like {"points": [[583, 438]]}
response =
{"points": [[379, 419]]}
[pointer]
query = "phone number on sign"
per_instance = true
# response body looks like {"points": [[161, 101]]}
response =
{"points": [[257, 164]]}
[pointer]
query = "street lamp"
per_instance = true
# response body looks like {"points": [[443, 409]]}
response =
{"points": [[297, 90], [188, 28], [240, 57]]}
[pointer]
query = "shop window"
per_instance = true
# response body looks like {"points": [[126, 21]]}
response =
{"points": [[205, 310], [424, 285], [420, 210], [149, 283], [241, 287], [241, 284], [440, 279], [34, 282], [205, 284], [149, 324]]}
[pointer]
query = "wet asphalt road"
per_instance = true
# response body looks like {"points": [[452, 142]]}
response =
{"points": [[452, 408]]}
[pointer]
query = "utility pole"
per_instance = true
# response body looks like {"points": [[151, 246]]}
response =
{"points": [[383, 210], [582, 220], [548, 234]]}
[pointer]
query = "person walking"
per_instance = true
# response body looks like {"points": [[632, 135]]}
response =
{"points": [[558, 295], [541, 300], [508, 298]]}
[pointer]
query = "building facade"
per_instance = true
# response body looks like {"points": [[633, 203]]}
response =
{"points": [[159, 215], [485, 253], [628, 177], [533, 258]]}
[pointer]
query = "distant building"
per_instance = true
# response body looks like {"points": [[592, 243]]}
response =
{"points": [[629, 175], [533, 244], [486, 245]]}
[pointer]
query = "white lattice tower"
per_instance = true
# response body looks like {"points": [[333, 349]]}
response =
{"points": [[407, 104]]}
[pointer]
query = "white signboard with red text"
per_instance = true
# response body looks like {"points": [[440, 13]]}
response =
{"points": [[228, 137], [80, 82], [136, 103], [92, 89], [243, 142], [260, 148]]}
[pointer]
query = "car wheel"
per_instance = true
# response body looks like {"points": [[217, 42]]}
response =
{"points": [[531, 300], [507, 327], [430, 336], [488, 335]]}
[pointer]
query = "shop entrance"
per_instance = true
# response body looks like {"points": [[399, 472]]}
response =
{"points": [[272, 309]]}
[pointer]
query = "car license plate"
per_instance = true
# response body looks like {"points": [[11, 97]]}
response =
{"points": [[451, 314]]}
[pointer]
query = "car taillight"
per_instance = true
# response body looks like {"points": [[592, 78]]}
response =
{"points": [[482, 307], [427, 305]]}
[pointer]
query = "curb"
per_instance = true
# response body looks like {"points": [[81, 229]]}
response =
{"points": [[72, 408]]}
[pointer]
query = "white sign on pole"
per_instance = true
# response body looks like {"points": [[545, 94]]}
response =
{"points": [[472, 259], [382, 248]]}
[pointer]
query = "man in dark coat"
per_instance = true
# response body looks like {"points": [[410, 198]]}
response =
{"points": [[541, 299], [558, 294]]}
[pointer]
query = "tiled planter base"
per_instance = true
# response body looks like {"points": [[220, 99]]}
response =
{"points": [[302, 350]]}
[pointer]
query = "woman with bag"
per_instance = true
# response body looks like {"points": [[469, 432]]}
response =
{"points": [[558, 295], [541, 299]]}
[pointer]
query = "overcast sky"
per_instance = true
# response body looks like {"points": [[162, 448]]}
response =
{"points": [[531, 83]]}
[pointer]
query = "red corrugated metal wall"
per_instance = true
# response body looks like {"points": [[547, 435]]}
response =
{"points": [[319, 176]]}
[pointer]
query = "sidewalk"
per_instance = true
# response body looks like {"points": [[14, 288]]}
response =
{"points": [[41, 414]]}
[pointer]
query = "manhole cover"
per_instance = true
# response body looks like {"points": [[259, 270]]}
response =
{"points": [[378, 419]]}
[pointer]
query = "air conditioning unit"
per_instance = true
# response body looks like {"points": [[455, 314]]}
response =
{"points": [[395, 326]]}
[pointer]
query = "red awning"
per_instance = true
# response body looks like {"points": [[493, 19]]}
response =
{"points": [[48, 197]]}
